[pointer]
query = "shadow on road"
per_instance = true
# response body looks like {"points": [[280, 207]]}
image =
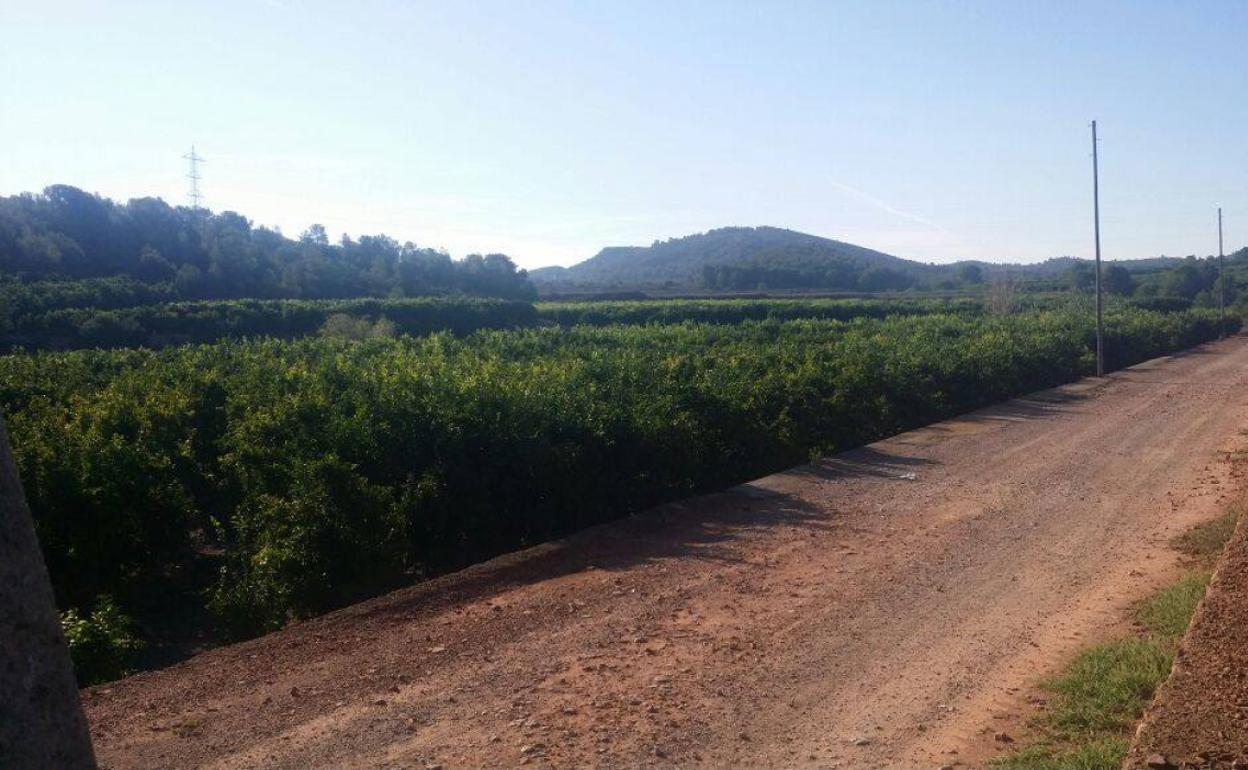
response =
{"points": [[696, 528], [864, 461]]}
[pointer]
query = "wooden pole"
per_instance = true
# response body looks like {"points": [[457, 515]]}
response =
{"points": [[1096, 224], [1221, 278]]}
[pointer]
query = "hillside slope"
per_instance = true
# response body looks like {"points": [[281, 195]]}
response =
{"points": [[751, 258], [686, 261]]}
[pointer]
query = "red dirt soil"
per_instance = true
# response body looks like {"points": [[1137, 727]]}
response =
{"points": [[886, 607]]}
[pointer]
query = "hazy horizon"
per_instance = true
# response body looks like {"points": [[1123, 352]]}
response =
{"points": [[929, 131]]}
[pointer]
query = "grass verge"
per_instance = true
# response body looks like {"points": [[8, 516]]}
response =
{"points": [[1205, 541], [1102, 694]]}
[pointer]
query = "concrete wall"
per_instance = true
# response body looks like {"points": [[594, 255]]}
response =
{"points": [[41, 721]]}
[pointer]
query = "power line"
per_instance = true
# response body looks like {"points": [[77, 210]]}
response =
{"points": [[1096, 219], [193, 162]]}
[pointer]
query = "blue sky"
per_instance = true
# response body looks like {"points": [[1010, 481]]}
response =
{"points": [[546, 130]]}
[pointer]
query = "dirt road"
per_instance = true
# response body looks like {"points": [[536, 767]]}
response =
{"points": [[884, 607]]}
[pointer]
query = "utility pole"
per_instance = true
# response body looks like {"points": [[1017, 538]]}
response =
{"points": [[1221, 278], [1096, 223], [192, 174]]}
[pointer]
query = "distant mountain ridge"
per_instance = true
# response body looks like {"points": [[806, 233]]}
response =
{"points": [[683, 261], [748, 258], [681, 258]]}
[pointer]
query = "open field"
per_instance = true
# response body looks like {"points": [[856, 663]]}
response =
{"points": [[878, 608]]}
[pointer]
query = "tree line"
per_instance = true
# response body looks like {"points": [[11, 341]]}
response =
{"points": [[178, 323], [65, 233], [162, 324], [732, 311], [1197, 280], [795, 272]]}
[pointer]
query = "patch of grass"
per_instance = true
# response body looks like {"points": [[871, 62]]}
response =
{"points": [[1206, 541], [1168, 612], [1108, 686], [1099, 754], [1105, 690], [1102, 694]]}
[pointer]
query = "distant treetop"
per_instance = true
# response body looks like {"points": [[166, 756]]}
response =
{"points": [[66, 233]]}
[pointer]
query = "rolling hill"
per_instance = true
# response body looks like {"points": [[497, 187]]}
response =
{"points": [[736, 257], [753, 258]]}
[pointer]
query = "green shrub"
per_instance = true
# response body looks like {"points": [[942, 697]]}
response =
{"points": [[345, 327], [732, 311], [314, 472], [332, 537], [174, 323], [100, 644]]}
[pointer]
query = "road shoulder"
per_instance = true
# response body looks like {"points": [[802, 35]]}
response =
{"points": [[1199, 718]]}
